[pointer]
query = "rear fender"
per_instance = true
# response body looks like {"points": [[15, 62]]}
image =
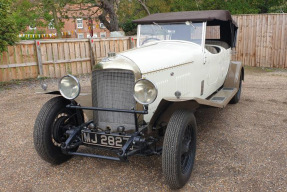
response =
{"points": [[234, 73]]}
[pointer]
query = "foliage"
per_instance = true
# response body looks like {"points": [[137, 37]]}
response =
{"points": [[128, 27], [133, 9], [18, 14], [24, 14], [54, 13], [282, 8], [7, 25]]}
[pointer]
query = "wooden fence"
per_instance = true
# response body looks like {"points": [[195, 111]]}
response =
{"points": [[55, 58], [261, 42]]}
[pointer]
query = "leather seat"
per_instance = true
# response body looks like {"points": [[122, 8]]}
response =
{"points": [[219, 43], [211, 49]]}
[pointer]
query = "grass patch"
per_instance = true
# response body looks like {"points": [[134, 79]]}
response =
{"points": [[263, 69], [9, 84]]}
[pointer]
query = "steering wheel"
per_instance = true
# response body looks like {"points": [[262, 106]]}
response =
{"points": [[151, 38]]}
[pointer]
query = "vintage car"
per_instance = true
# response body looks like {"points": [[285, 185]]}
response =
{"points": [[142, 101]]}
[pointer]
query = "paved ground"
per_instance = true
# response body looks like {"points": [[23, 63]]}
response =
{"points": [[240, 148]]}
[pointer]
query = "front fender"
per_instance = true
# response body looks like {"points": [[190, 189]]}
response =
{"points": [[84, 99], [50, 92], [167, 107]]}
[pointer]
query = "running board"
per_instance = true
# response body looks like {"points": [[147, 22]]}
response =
{"points": [[223, 96], [219, 99]]}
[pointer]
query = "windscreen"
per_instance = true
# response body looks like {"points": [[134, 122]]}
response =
{"points": [[191, 32]]}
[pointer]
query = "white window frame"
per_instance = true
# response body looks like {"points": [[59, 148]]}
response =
{"points": [[94, 36], [80, 25], [51, 25], [81, 36], [102, 26], [103, 33]]}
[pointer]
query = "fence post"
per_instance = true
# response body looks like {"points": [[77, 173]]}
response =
{"points": [[92, 47], [39, 57], [131, 42]]}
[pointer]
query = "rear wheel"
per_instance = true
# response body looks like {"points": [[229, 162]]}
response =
{"points": [[179, 148], [236, 97], [52, 122]]}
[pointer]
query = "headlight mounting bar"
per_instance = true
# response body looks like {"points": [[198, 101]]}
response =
{"points": [[145, 111]]}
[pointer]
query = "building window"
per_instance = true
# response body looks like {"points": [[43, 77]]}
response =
{"points": [[81, 36], [94, 36], [80, 24], [103, 34], [51, 24], [102, 26]]}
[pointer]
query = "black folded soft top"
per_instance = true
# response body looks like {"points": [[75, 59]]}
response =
{"points": [[228, 27], [195, 16]]}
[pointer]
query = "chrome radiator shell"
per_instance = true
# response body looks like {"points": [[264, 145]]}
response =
{"points": [[113, 88]]}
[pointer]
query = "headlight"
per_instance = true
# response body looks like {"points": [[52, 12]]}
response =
{"points": [[145, 91], [69, 87]]}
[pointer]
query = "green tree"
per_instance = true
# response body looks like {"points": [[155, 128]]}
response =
{"points": [[8, 31], [54, 13], [241, 6], [24, 14], [282, 8], [134, 9]]}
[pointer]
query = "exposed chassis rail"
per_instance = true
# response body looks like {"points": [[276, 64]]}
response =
{"points": [[135, 139]]}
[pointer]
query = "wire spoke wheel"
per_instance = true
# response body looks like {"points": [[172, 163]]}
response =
{"points": [[186, 152], [63, 121], [52, 122]]}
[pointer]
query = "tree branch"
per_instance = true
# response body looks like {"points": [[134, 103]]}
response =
{"points": [[144, 6]]}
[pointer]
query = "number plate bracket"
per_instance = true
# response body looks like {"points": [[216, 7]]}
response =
{"points": [[133, 144], [123, 155], [103, 139]]}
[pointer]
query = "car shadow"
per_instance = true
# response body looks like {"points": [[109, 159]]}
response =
{"points": [[148, 167]]}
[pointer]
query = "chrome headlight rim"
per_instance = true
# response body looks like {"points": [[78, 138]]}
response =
{"points": [[78, 84], [155, 87]]}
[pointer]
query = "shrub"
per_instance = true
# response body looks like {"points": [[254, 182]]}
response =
{"points": [[8, 29]]}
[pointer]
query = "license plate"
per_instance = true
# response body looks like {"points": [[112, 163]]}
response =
{"points": [[105, 140]]}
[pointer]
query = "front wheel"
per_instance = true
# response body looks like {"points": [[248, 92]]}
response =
{"points": [[179, 148], [52, 122]]}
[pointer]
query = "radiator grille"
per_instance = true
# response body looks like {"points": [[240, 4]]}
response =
{"points": [[113, 89]]}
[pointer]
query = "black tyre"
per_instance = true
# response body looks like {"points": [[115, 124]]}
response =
{"points": [[236, 97], [179, 148], [50, 128]]}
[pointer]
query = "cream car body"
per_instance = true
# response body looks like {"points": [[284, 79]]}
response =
{"points": [[142, 101], [180, 66]]}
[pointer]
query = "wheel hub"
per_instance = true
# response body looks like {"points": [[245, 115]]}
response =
{"points": [[59, 129]]}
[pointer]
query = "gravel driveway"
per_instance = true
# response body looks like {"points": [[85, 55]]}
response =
{"points": [[240, 148]]}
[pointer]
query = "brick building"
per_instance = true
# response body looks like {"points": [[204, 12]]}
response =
{"points": [[81, 28], [75, 27]]}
